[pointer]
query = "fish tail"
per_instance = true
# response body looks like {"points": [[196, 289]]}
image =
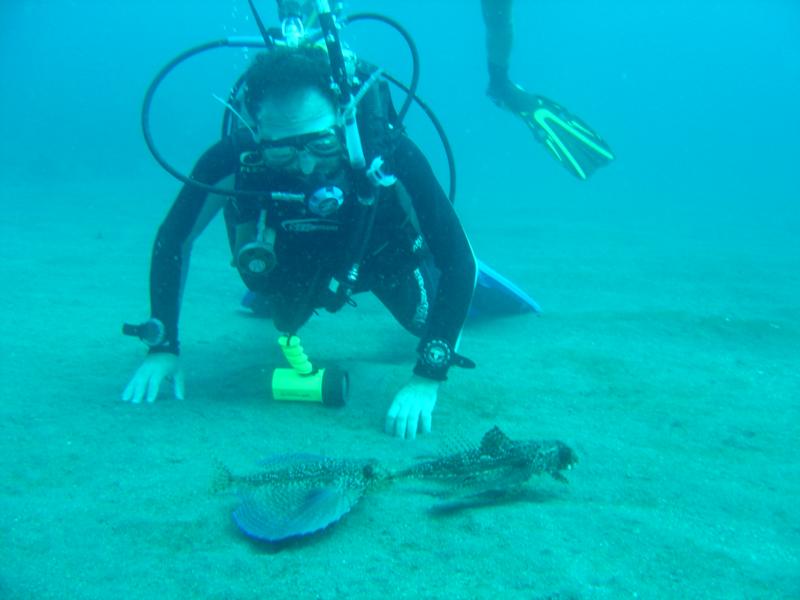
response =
{"points": [[223, 478]]}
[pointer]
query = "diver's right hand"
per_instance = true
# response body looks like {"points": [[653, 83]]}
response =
{"points": [[148, 378]]}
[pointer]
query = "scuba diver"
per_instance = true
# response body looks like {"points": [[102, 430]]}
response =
{"points": [[328, 202], [568, 139]]}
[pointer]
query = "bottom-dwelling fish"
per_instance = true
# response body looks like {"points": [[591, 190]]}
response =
{"points": [[298, 494], [498, 464]]}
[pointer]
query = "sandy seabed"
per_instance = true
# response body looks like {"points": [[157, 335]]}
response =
{"points": [[668, 362]]}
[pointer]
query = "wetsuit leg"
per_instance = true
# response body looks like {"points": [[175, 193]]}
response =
{"points": [[409, 296], [499, 37]]}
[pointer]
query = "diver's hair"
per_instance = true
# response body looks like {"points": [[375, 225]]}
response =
{"points": [[283, 70]]}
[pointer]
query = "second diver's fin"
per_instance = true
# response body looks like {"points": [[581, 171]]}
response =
{"points": [[571, 141]]}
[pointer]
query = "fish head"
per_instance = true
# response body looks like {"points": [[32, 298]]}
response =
{"points": [[563, 458], [566, 456]]}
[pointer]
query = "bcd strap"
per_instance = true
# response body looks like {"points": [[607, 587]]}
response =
{"points": [[369, 182]]}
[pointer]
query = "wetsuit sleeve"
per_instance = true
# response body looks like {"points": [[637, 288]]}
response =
{"points": [[449, 246], [189, 214]]}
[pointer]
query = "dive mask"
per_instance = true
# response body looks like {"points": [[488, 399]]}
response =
{"points": [[319, 145]]}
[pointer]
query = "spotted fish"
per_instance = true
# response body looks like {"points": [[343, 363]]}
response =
{"points": [[299, 494], [497, 464]]}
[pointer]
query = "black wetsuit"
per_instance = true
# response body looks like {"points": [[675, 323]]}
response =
{"points": [[311, 250]]}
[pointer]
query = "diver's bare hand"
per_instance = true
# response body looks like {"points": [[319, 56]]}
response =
{"points": [[149, 376], [412, 408]]}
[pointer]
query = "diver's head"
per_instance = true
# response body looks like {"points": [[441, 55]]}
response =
{"points": [[290, 97]]}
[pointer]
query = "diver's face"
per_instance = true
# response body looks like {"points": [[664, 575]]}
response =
{"points": [[297, 132]]}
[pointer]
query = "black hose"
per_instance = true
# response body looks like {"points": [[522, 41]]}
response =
{"points": [[148, 100], [268, 41], [411, 90], [448, 150]]}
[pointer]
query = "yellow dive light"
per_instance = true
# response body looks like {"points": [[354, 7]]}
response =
{"points": [[303, 383]]}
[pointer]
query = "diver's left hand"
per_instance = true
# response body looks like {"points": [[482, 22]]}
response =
{"points": [[412, 408]]}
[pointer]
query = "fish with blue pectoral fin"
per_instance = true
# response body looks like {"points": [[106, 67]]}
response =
{"points": [[300, 494]]}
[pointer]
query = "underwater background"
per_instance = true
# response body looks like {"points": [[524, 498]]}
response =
{"points": [[666, 353]]}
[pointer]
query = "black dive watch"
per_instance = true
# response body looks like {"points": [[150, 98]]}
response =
{"points": [[436, 356], [153, 334]]}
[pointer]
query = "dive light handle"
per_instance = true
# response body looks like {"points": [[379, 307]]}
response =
{"points": [[151, 332]]}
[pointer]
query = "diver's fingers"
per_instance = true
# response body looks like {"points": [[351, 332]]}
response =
{"points": [[425, 421], [180, 385], [391, 418], [399, 429], [127, 395], [412, 424], [139, 388], [153, 384], [400, 426]]}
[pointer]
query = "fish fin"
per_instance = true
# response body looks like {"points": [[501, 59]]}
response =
{"points": [[495, 442], [274, 515]]}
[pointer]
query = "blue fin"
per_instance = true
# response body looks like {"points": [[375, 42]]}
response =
{"points": [[495, 295], [276, 514], [258, 303]]}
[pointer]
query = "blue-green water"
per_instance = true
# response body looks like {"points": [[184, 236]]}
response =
{"points": [[666, 354]]}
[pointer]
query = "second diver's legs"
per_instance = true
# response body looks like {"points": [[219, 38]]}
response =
{"points": [[499, 40]]}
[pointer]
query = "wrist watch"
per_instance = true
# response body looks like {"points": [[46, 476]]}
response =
{"points": [[436, 354]]}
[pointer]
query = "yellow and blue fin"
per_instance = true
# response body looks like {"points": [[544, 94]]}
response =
{"points": [[566, 137]]}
